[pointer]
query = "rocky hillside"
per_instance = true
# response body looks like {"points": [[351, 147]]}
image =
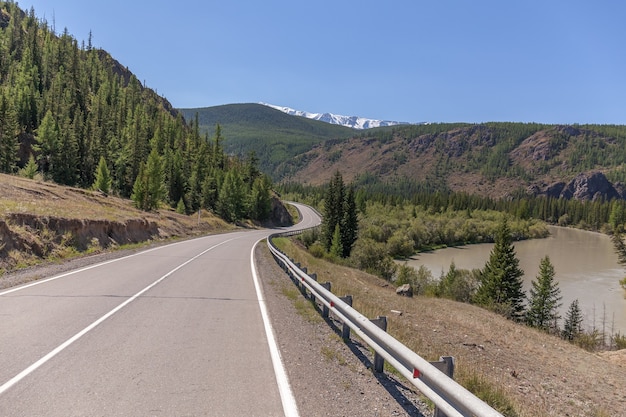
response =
{"points": [[493, 159]]}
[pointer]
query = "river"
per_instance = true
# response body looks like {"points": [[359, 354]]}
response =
{"points": [[585, 266]]}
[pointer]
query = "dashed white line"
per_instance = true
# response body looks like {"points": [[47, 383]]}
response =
{"points": [[17, 378]]}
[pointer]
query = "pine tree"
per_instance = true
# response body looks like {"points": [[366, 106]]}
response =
{"points": [[333, 209], [30, 169], [349, 223], [155, 177], [231, 201], [180, 207], [48, 142], [8, 136], [140, 189], [336, 247], [573, 322], [501, 281], [103, 177], [545, 297], [260, 201]]}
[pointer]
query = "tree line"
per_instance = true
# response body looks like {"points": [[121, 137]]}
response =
{"points": [[388, 231], [71, 114]]}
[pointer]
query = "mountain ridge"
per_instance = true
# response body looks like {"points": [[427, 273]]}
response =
{"points": [[354, 122]]}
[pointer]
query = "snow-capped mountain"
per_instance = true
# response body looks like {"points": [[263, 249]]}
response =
{"points": [[354, 122]]}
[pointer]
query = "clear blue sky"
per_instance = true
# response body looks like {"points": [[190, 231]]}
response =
{"points": [[407, 60]]}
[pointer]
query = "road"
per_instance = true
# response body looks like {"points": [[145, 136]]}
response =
{"points": [[178, 330]]}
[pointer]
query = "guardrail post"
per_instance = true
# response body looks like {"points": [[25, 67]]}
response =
{"points": [[312, 295], [379, 361], [345, 331], [445, 365], [325, 310]]}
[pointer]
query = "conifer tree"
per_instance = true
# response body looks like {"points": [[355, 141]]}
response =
{"points": [[336, 247], [103, 177], [231, 201], [260, 201], [573, 322], [30, 169], [333, 208], [501, 280], [48, 142], [140, 189], [349, 223], [8, 136], [545, 297], [155, 177]]}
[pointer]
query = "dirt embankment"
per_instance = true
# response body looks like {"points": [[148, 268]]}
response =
{"points": [[40, 220]]}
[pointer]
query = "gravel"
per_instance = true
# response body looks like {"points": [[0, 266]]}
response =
{"points": [[329, 377]]}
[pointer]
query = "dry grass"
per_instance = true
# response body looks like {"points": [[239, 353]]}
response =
{"points": [[528, 372], [47, 200]]}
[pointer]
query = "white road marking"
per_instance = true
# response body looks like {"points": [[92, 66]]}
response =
{"points": [[76, 271], [286, 395], [17, 378]]}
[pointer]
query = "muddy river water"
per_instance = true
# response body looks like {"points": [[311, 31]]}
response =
{"points": [[585, 266]]}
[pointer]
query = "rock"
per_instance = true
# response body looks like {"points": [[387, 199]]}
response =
{"points": [[589, 186], [405, 290]]}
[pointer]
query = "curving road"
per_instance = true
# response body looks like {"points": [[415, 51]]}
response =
{"points": [[178, 330]]}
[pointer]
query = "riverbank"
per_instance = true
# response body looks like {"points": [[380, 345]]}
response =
{"points": [[585, 265]]}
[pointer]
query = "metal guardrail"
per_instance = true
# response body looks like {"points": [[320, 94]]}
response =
{"points": [[449, 397]]}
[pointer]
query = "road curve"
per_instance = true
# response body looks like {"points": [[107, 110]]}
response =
{"points": [[178, 330]]}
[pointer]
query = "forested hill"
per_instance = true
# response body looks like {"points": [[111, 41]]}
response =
{"points": [[69, 104], [492, 159], [273, 135], [69, 111]]}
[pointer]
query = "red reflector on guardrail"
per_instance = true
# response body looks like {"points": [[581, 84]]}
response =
{"points": [[332, 304], [416, 373]]}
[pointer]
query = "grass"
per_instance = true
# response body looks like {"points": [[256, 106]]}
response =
{"points": [[362, 287], [25, 205]]}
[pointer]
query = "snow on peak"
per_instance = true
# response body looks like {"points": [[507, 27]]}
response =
{"points": [[354, 122]]}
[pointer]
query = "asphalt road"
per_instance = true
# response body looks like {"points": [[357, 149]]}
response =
{"points": [[178, 330]]}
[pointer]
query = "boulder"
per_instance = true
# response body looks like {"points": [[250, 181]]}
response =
{"points": [[589, 187], [405, 290]]}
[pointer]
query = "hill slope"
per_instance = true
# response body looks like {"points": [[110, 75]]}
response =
{"points": [[493, 159], [272, 134]]}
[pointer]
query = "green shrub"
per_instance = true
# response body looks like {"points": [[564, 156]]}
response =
{"points": [[317, 249]]}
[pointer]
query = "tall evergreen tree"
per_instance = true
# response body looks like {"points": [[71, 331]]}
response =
{"points": [[48, 142], [333, 209], [349, 223], [8, 135], [155, 180], [336, 247], [30, 169], [231, 203], [140, 189], [149, 188], [501, 280], [260, 199], [544, 300], [573, 322], [103, 177]]}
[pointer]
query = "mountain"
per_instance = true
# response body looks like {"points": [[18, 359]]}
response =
{"points": [[490, 159], [585, 162], [353, 122], [273, 135]]}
